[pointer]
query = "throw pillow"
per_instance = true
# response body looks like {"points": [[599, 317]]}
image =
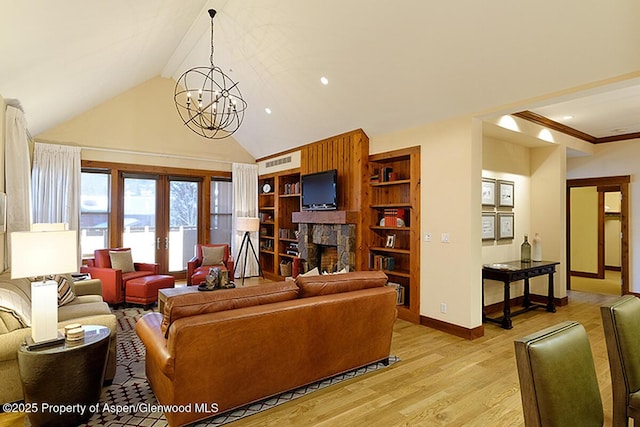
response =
{"points": [[65, 292], [16, 305], [121, 260], [212, 255]]}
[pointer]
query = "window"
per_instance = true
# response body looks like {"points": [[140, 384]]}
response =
{"points": [[94, 211], [220, 211]]}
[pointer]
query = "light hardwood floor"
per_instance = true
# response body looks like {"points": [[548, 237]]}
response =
{"points": [[441, 380]]}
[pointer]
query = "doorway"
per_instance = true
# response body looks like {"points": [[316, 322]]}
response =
{"points": [[597, 235], [160, 219]]}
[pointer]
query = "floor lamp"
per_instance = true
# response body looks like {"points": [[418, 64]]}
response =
{"points": [[248, 225]]}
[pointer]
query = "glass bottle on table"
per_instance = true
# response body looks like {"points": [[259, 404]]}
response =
{"points": [[525, 250]]}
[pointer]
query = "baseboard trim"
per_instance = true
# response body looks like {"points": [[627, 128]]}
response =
{"points": [[585, 274], [450, 328]]}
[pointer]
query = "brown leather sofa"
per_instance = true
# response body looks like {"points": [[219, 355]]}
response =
{"points": [[220, 350]]}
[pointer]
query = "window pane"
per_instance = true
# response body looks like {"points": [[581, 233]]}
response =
{"points": [[94, 212], [221, 195], [140, 218], [183, 223]]}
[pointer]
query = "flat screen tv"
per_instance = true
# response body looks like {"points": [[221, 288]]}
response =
{"points": [[319, 191]]}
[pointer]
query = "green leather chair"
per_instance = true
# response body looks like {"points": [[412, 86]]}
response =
{"points": [[621, 323], [558, 382]]}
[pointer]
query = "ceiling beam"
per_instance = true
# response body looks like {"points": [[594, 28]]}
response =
{"points": [[541, 120]]}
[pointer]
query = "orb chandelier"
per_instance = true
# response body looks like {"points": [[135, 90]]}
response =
{"points": [[208, 101]]}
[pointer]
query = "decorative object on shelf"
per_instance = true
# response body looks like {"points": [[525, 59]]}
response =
{"points": [[505, 193], [248, 225], [56, 252], [536, 248], [208, 101], [525, 250], [488, 226], [505, 225], [488, 192], [391, 241], [266, 188]]}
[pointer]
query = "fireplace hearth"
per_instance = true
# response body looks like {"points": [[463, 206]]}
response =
{"points": [[314, 239]]}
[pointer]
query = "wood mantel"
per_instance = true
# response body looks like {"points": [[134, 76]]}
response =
{"points": [[325, 217]]}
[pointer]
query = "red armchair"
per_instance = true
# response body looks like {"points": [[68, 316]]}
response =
{"points": [[114, 280], [196, 271]]}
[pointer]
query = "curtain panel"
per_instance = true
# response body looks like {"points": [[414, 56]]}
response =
{"points": [[245, 204], [55, 184], [17, 176]]}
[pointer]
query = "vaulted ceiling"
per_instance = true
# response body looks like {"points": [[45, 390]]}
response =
{"points": [[390, 65]]}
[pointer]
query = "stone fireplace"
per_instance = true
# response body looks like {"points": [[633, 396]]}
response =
{"points": [[327, 245]]}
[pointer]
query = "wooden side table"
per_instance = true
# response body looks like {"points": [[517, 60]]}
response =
{"points": [[63, 381], [513, 271], [165, 293]]}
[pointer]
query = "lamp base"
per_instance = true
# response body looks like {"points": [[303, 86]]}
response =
{"points": [[32, 345]]}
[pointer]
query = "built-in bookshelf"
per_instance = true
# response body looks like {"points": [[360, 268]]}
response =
{"points": [[278, 241], [394, 223]]}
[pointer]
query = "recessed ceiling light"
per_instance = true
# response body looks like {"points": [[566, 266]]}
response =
{"points": [[567, 117], [324, 80], [267, 110]]}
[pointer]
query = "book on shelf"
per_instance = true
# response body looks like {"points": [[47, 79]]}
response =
{"points": [[286, 233], [394, 217], [385, 174], [292, 188], [264, 217], [382, 262], [399, 291]]}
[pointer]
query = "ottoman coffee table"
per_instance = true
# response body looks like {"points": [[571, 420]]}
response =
{"points": [[144, 290]]}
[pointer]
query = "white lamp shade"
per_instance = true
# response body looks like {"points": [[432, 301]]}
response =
{"points": [[248, 224], [48, 226], [41, 253]]}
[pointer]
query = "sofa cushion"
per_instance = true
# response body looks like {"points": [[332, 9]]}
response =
{"points": [[193, 304], [311, 286], [121, 260], [76, 311]]}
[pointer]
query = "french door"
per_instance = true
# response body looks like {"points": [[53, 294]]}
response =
{"points": [[160, 219]]}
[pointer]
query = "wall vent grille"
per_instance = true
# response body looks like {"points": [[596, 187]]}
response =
{"points": [[278, 162]]}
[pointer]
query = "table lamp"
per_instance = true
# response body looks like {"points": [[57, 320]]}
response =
{"points": [[38, 254], [248, 225]]}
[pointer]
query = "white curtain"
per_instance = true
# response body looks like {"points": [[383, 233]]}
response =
{"points": [[55, 184], [245, 204], [17, 176]]}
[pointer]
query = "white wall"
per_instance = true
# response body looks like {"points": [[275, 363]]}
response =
{"points": [[511, 162], [450, 273], [144, 120], [615, 159]]}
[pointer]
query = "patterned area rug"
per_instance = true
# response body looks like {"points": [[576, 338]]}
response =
{"points": [[128, 400]]}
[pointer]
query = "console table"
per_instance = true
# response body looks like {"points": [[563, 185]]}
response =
{"points": [[512, 271]]}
